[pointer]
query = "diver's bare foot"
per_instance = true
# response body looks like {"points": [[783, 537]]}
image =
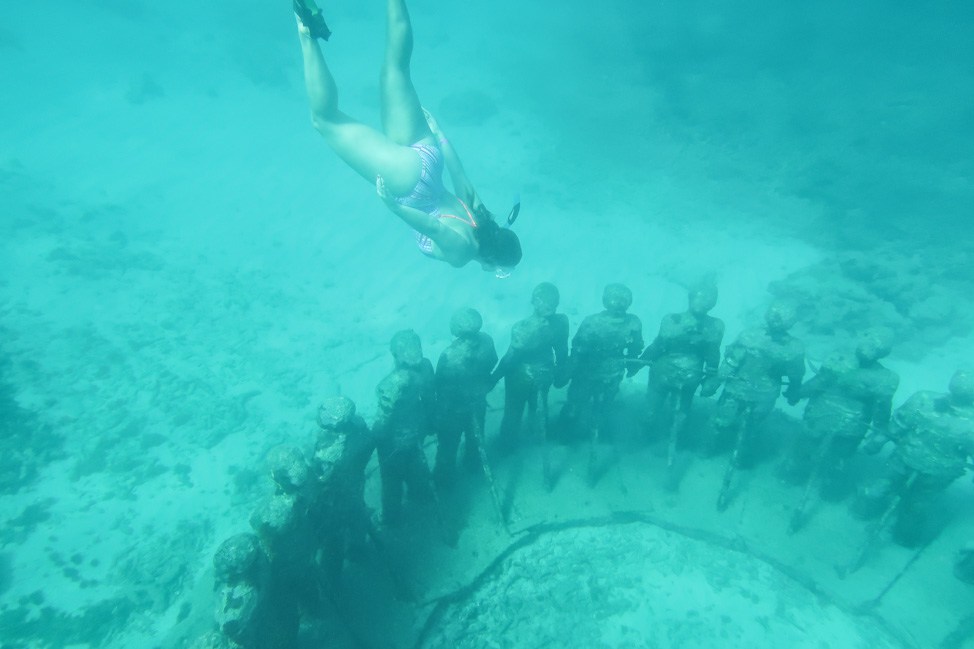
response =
{"points": [[310, 21], [303, 29]]}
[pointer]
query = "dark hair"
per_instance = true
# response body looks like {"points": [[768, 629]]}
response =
{"points": [[497, 245]]}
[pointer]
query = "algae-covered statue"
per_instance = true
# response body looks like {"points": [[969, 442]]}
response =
{"points": [[684, 356], [406, 402], [343, 447], [535, 361], [462, 381], [756, 366], [933, 437], [850, 395], [601, 348]]}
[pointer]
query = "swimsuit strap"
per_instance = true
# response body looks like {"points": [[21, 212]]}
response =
{"points": [[469, 220], [426, 244]]}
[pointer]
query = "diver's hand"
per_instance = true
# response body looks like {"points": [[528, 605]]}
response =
{"points": [[383, 191], [433, 124], [478, 206]]}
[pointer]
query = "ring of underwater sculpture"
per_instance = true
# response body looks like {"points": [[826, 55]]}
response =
{"points": [[631, 580]]}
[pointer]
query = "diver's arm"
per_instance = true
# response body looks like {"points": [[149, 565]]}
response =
{"points": [[462, 186], [416, 219]]}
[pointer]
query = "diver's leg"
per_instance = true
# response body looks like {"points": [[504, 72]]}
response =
{"points": [[402, 114], [364, 149]]}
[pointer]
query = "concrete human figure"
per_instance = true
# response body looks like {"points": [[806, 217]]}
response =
{"points": [[535, 361], [343, 447], [255, 608], [601, 348], [964, 563], [241, 574], [850, 396], [462, 382], [683, 358], [285, 526], [406, 401], [755, 368], [405, 161], [933, 437]]}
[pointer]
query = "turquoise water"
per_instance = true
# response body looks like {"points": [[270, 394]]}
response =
{"points": [[186, 272]]}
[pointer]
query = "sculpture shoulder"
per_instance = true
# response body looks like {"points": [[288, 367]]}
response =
{"points": [[886, 381], [393, 383], [793, 348], [713, 327], [559, 324], [589, 323], [920, 405], [485, 345], [923, 400], [672, 325], [752, 338]]}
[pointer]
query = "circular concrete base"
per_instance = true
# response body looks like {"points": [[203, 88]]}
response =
{"points": [[636, 585]]}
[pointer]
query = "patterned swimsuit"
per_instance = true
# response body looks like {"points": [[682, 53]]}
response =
{"points": [[428, 192]]}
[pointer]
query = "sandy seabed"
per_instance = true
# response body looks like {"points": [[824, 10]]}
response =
{"points": [[187, 272]]}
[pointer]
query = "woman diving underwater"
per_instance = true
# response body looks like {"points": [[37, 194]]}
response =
{"points": [[406, 160]]}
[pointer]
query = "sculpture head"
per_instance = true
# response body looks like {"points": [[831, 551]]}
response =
{"points": [[780, 316], [335, 412], [874, 344], [465, 322], [702, 298], [962, 388], [406, 348], [545, 299], [616, 298]]}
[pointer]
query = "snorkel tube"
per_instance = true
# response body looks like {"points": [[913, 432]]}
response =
{"points": [[503, 272], [515, 211]]}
